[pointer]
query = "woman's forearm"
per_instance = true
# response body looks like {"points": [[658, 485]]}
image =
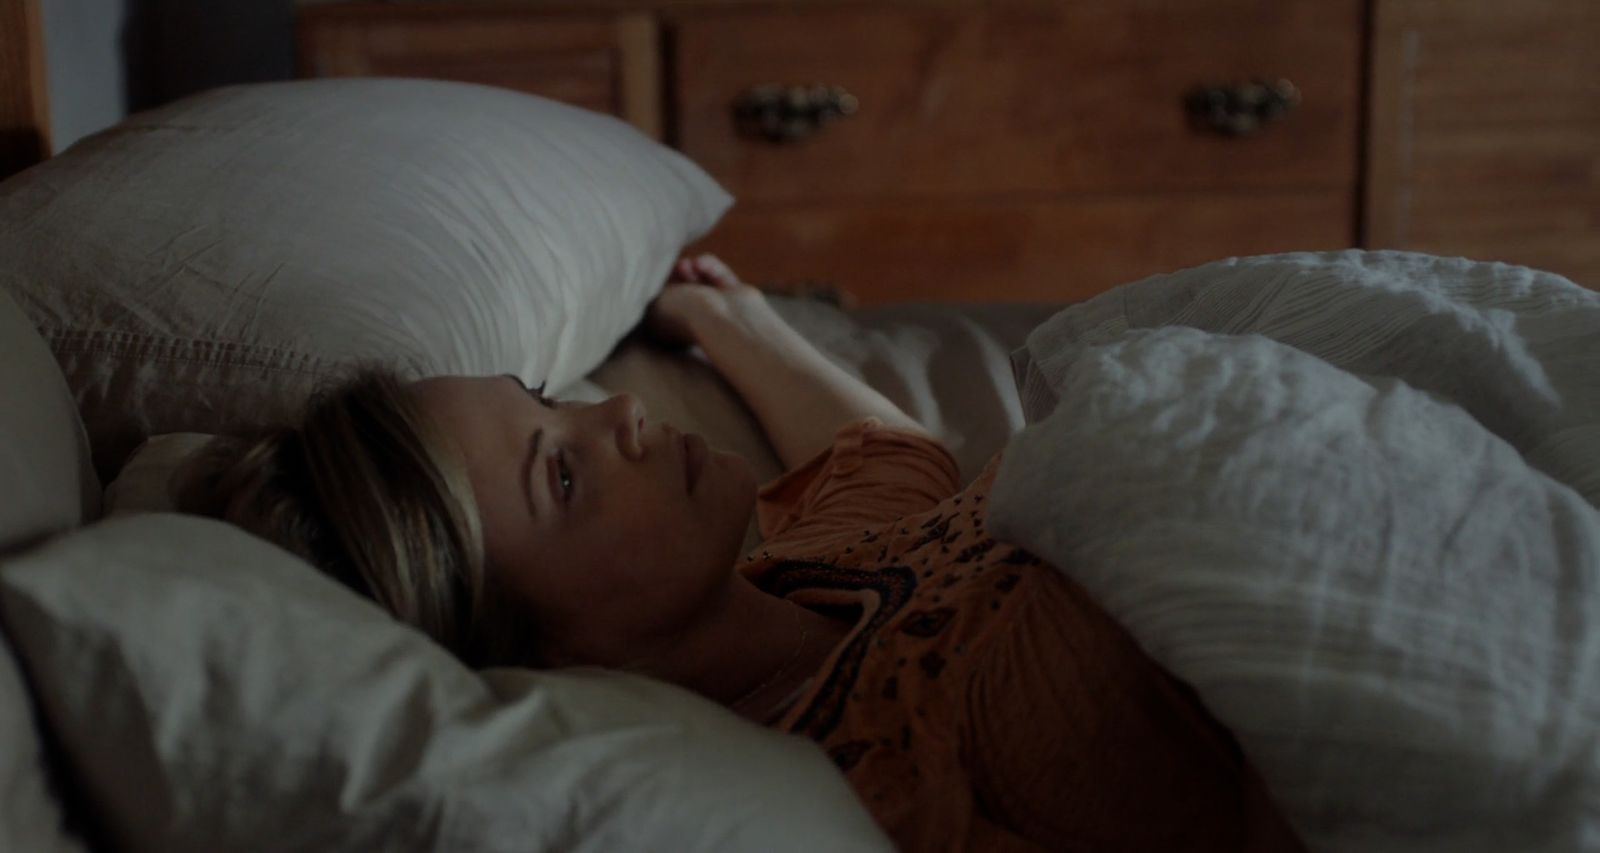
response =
{"points": [[799, 396]]}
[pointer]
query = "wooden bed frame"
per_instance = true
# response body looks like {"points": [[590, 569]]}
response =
{"points": [[24, 102]]}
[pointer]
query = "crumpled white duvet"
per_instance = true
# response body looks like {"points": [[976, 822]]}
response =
{"points": [[1350, 498]]}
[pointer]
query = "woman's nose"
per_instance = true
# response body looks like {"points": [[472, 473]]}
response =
{"points": [[625, 414]]}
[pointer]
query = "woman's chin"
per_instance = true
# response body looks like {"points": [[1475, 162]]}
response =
{"points": [[733, 479], [726, 465]]}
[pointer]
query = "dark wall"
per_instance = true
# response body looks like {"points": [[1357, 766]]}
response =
{"points": [[107, 58], [173, 48]]}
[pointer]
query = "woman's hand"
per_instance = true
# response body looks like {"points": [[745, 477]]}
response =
{"points": [[799, 395], [699, 288]]}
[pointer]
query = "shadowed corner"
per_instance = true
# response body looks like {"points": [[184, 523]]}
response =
{"points": [[20, 147]]}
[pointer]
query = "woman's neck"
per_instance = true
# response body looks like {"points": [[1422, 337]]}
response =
{"points": [[751, 651], [769, 698]]}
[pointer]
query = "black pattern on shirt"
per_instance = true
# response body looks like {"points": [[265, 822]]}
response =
{"points": [[894, 585]]}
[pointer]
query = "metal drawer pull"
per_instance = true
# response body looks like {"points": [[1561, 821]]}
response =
{"points": [[1241, 108], [784, 114]]}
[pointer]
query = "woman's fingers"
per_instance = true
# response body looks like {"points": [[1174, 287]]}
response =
{"points": [[684, 271], [703, 269], [715, 271]]}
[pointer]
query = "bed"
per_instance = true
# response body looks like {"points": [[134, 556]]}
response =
{"points": [[567, 221], [170, 683]]}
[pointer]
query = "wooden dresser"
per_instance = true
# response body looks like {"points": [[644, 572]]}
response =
{"points": [[1050, 149]]}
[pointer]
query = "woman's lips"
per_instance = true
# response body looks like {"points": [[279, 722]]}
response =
{"points": [[694, 459]]}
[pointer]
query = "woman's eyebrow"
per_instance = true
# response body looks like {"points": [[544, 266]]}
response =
{"points": [[528, 463]]}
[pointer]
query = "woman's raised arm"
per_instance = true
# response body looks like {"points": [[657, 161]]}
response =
{"points": [[799, 396]]}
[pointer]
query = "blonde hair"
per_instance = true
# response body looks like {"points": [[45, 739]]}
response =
{"points": [[369, 490]]}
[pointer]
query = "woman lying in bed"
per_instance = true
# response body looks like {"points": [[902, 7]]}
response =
{"points": [[975, 698]]}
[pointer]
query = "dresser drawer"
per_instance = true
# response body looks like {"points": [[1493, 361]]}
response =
{"points": [[1007, 250], [1022, 99], [603, 61], [1485, 132]]}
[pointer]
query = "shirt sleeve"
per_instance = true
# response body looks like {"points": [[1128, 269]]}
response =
{"points": [[871, 474]]}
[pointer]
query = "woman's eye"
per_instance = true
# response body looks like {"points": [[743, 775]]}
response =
{"points": [[564, 476]]}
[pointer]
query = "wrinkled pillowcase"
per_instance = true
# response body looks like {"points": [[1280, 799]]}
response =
{"points": [[204, 266], [212, 692]]}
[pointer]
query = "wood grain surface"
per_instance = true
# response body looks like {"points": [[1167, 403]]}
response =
{"points": [[1485, 132], [1044, 249], [1003, 99], [607, 62], [1023, 149], [24, 104]]}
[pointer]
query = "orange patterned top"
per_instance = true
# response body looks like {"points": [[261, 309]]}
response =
{"points": [[982, 700]]}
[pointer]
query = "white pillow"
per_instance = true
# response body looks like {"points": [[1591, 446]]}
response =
{"points": [[33, 816], [199, 267], [1397, 616], [49, 487], [214, 693], [44, 454]]}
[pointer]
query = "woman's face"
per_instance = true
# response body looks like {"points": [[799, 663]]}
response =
{"points": [[609, 531]]}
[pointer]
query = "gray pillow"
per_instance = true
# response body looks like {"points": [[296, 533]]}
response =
{"points": [[44, 454], [215, 693], [200, 267], [49, 487]]}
